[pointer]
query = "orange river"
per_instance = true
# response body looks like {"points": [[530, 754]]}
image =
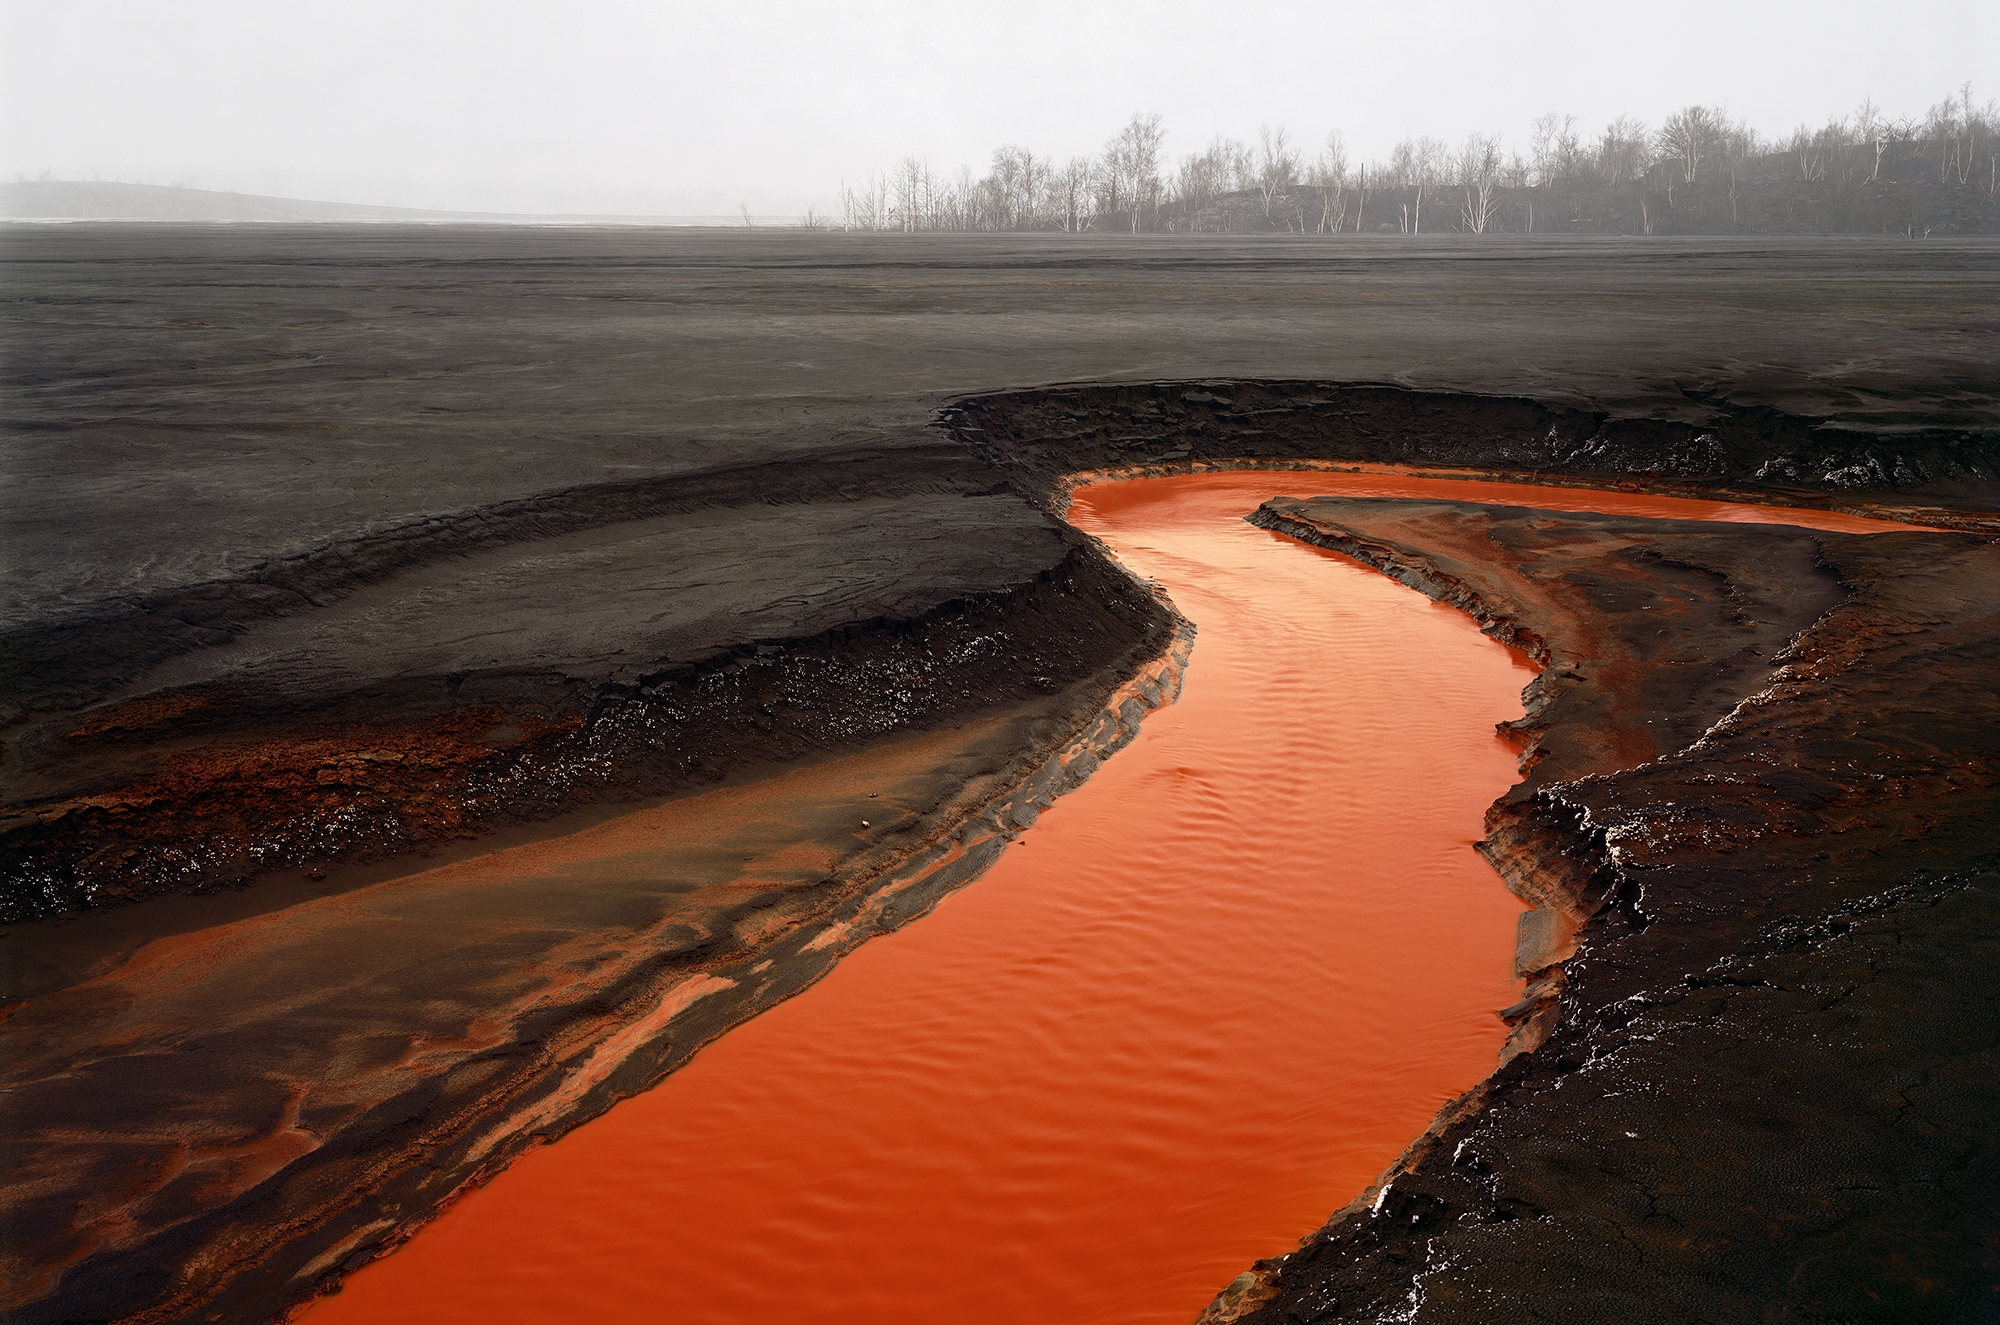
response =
{"points": [[1194, 1010]]}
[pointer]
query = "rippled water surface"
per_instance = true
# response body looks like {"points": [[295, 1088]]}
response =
{"points": [[1194, 1010]]}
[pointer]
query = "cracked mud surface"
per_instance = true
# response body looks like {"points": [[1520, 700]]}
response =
{"points": [[295, 510]]}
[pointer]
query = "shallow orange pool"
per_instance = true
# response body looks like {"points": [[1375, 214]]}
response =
{"points": [[1194, 1010]]}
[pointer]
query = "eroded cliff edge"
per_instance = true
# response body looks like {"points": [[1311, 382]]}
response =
{"points": [[1766, 1056]]}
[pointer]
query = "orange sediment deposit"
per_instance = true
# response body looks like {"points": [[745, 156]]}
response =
{"points": [[1071, 1093], [210, 812], [1259, 480], [1206, 1000], [482, 1002]]}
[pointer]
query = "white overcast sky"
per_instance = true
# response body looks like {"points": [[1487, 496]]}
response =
{"points": [[668, 107]]}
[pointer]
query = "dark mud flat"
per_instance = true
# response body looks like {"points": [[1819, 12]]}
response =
{"points": [[1756, 1069], [341, 545]]}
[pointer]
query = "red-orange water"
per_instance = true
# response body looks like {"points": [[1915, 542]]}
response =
{"points": [[1200, 1005]]}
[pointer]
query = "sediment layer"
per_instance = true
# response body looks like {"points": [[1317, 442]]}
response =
{"points": [[186, 1156], [358, 705], [390, 691], [1756, 453], [1764, 1060]]}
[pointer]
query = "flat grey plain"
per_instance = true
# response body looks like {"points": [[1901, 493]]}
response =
{"points": [[186, 402]]}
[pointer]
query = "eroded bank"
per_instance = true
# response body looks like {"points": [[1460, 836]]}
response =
{"points": [[1764, 1070]]}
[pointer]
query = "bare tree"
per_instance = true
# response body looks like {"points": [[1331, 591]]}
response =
{"points": [[1956, 129], [1811, 149], [853, 209], [1478, 171], [1401, 167], [1069, 194], [880, 208], [958, 205], [1278, 167], [1132, 167], [1941, 131], [1016, 192], [1554, 148], [915, 194], [1417, 166], [1982, 127], [1330, 178], [1555, 155], [1869, 128], [1216, 170], [1738, 144], [1622, 154], [1690, 137]]}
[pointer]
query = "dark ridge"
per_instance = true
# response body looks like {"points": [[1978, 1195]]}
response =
{"points": [[91, 651], [329, 791], [1753, 453]]}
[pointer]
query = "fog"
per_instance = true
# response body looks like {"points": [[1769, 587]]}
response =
{"points": [[676, 108]]}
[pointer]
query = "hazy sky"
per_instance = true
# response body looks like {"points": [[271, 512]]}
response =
{"points": [[673, 107]]}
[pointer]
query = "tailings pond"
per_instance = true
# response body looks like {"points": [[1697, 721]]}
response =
{"points": [[1194, 1010]]}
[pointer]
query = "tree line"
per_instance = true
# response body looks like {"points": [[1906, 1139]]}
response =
{"points": [[1698, 171]]}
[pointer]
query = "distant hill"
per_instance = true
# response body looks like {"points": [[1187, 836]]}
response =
{"points": [[94, 200]]}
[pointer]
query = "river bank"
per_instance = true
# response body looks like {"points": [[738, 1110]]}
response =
{"points": [[1750, 957], [1587, 592]]}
